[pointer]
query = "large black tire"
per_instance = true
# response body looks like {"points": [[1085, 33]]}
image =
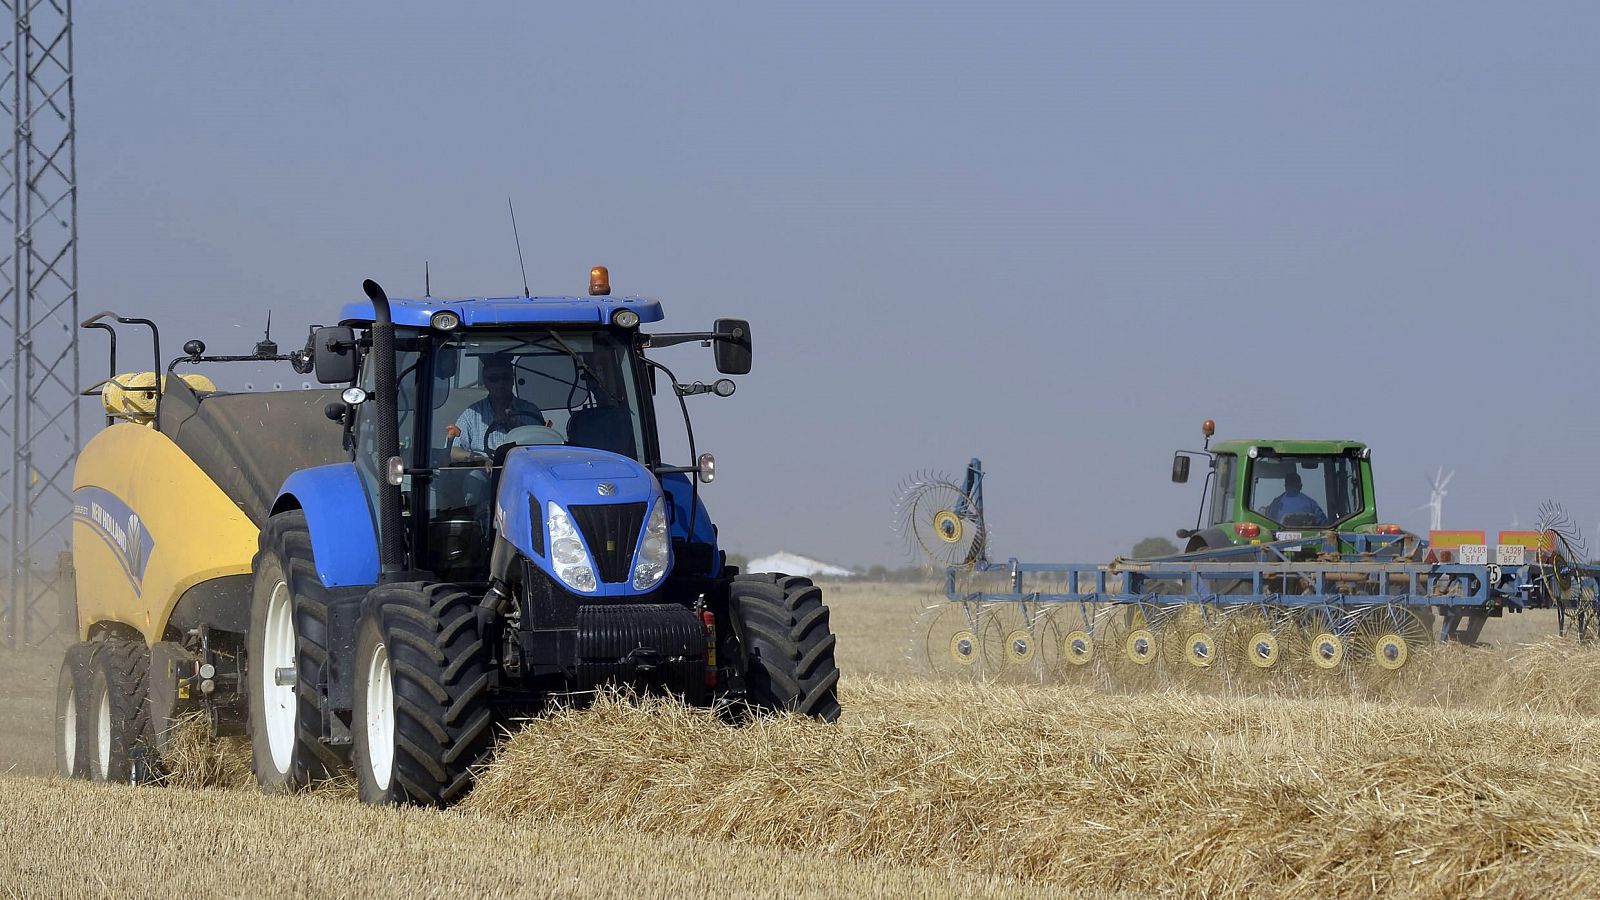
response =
{"points": [[72, 711], [422, 715], [788, 645], [119, 712], [288, 759]]}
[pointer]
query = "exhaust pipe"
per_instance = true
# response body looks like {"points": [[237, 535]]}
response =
{"points": [[391, 542]]}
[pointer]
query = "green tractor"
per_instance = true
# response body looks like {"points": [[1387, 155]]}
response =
{"points": [[1258, 491]]}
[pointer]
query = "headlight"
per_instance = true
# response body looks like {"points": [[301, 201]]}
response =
{"points": [[567, 555], [625, 318], [655, 551], [445, 320]]}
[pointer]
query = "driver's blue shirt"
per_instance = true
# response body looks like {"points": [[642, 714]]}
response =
{"points": [[477, 422], [1289, 504]]}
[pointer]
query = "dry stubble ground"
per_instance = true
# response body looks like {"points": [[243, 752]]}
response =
{"points": [[1473, 777]]}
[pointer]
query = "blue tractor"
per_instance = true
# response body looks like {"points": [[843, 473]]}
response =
{"points": [[487, 525]]}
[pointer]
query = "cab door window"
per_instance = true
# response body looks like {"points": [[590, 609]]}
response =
{"points": [[368, 466], [1224, 490]]}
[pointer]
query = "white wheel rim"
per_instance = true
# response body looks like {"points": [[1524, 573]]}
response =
{"points": [[278, 701], [102, 727], [69, 734], [380, 718]]}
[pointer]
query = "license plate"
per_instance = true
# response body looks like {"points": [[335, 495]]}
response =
{"points": [[1510, 554], [1290, 535], [1473, 554]]}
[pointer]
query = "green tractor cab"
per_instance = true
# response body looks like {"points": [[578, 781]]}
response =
{"points": [[1263, 490]]}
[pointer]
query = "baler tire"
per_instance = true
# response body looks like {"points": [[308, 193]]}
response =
{"points": [[435, 715], [119, 713], [788, 645], [285, 557], [72, 711]]}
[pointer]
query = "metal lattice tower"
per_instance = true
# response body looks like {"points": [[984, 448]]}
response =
{"points": [[39, 423]]}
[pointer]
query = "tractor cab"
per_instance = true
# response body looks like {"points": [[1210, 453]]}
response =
{"points": [[477, 379], [469, 396], [1262, 490]]}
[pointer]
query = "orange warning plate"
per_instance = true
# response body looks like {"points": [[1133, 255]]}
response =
{"points": [[1446, 539], [1530, 539]]}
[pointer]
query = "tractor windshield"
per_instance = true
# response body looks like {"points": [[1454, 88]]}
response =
{"points": [[537, 387], [1305, 490]]}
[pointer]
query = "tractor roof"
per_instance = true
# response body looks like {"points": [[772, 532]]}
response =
{"points": [[494, 311], [1283, 445]]}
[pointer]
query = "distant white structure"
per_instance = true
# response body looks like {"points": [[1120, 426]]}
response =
{"points": [[795, 564], [1435, 504]]}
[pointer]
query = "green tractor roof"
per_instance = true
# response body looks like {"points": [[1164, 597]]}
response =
{"points": [[1286, 445]]}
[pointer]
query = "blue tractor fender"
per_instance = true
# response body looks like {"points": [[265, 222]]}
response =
{"points": [[682, 493], [344, 536]]}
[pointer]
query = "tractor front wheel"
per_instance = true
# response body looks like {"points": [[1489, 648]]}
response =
{"points": [[422, 714], [287, 662], [788, 645]]}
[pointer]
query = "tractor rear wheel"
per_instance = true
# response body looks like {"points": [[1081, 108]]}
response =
{"points": [[788, 645], [73, 725], [119, 713], [422, 714], [287, 661]]}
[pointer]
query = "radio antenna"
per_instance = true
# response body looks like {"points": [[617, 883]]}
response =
{"points": [[427, 281], [520, 263], [267, 346]]}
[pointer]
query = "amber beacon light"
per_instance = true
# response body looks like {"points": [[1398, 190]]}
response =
{"points": [[599, 281]]}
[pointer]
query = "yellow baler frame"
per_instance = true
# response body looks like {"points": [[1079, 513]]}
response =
{"points": [[148, 525]]}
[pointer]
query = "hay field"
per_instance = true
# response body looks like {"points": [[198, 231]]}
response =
{"points": [[1473, 776]]}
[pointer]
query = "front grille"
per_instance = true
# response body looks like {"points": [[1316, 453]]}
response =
{"points": [[610, 632], [612, 531], [651, 647]]}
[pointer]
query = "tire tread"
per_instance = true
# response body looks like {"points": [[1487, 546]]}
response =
{"points": [[441, 667], [790, 644]]}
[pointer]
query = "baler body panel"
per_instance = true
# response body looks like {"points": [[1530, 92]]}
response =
{"points": [[147, 525]]}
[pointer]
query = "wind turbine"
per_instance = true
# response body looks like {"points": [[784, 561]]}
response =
{"points": [[1435, 504]]}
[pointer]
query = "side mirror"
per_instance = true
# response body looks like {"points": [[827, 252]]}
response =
{"points": [[732, 346], [334, 354], [1180, 469]]}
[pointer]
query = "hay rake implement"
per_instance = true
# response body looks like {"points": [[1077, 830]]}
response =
{"points": [[1324, 604]]}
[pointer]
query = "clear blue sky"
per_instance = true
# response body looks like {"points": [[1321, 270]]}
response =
{"points": [[1056, 236]]}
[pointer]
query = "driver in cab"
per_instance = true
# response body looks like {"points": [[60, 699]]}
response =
{"points": [[1291, 503], [483, 426]]}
